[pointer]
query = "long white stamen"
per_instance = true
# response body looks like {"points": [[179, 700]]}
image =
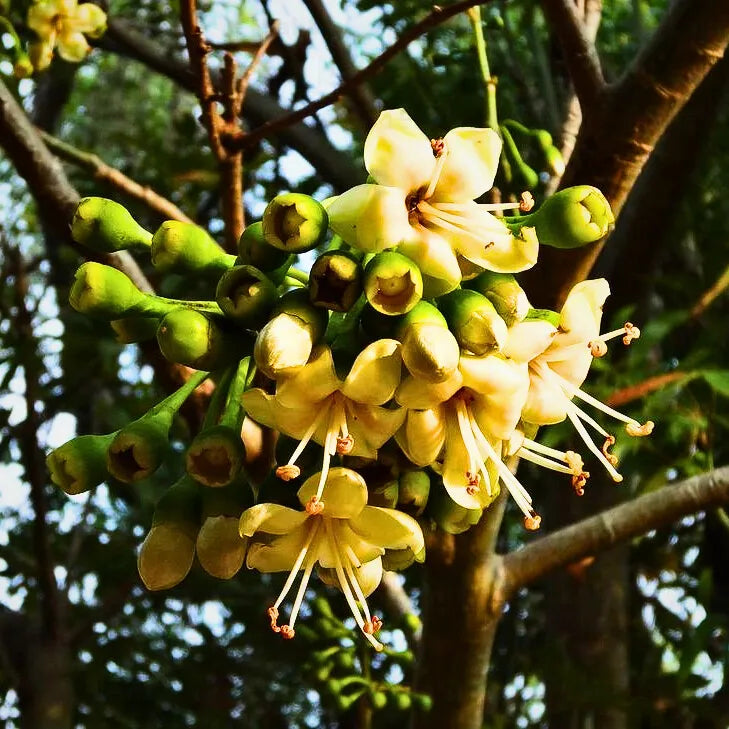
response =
{"points": [[309, 433], [476, 462], [297, 564], [449, 222], [482, 206], [596, 403], [439, 162], [358, 590], [527, 455], [572, 415], [310, 562], [329, 450], [532, 445]]}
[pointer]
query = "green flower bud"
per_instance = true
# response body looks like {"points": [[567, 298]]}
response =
{"points": [[104, 292], [503, 291], [335, 281], [197, 340], [384, 495], [393, 283], [80, 464], [379, 699], [215, 456], [423, 701], [570, 218], [429, 350], [106, 226], [168, 551], [547, 315], [294, 223], [246, 295], [187, 248], [450, 516], [474, 321], [402, 700], [254, 251], [135, 329], [413, 492], [396, 560]]}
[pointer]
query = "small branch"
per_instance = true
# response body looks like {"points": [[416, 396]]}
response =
{"points": [[362, 99], [709, 296], [105, 173], [261, 51], [598, 533], [580, 54], [435, 18], [641, 389]]}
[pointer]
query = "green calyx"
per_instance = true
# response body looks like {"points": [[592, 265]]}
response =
{"points": [[106, 226], [450, 516], [215, 456], [393, 283], [552, 317], [335, 281], [474, 321], [246, 295], [187, 248], [504, 292], [254, 251], [294, 223], [200, 341], [570, 218], [413, 492], [80, 464]]}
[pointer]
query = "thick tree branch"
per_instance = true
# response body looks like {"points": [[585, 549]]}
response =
{"points": [[334, 166], [436, 17], [615, 525], [580, 54], [362, 100]]}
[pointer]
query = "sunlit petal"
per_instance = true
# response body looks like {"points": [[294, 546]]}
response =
{"points": [[375, 374]]}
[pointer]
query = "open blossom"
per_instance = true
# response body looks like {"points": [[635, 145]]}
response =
{"points": [[423, 203], [344, 416], [345, 536], [63, 24], [559, 358]]}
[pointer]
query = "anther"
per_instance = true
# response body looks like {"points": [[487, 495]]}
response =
{"points": [[527, 202], [578, 482], [598, 348], [437, 145], [611, 458], [372, 626], [273, 617], [532, 521], [287, 632], [345, 445], [314, 506], [631, 332], [638, 430], [288, 472]]}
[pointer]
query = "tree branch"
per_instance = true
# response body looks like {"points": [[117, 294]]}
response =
{"points": [[436, 17], [579, 51], [613, 526], [334, 166], [362, 99]]}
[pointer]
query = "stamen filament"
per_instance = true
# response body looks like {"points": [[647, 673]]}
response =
{"points": [[477, 463], [527, 455], [297, 564], [572, 415], [310, 562], [439, 162], [532, 445], [308, 435]]}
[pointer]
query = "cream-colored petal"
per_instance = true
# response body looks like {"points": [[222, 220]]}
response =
{"points": [[278, 556], [259, 406], [364, 549], [422, 436], [546, 402], [582, 310], [40, 18], [375, 374], [344, 495], [416, 394], [397, 153], [388, 528], [73, 46], [472, 158], [456, 464], [315, 381], [528, 339], [89, 19], [270, 519], [436, 260], [369, 576], [371, 217], [378, 424]]}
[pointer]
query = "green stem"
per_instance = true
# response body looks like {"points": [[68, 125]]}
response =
{"points": [[233, 412], [297, 275], [492, 117], [160, 305], [218, 399], [171, 404], [291, 281]]}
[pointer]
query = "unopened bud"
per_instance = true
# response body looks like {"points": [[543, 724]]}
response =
{"points": [[220, 548], [393, 283], [414, 492], [215, 456], [168, 551], [106, 226], [246, 295], [138, 449], [396, 560], [450, 516], [294, 222], [254, 251], [104, 292], [187, 248], [335, 281], [474, 321], [385, 495], [503, 291], [80, 464], [570, 218]]}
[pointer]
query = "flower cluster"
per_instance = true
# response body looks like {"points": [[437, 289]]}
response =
{"points": [[409, 353]]}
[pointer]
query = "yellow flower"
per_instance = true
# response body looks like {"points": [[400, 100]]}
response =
{"points": [[63, 24], [344, 416], [423, 202], [345, 536]]}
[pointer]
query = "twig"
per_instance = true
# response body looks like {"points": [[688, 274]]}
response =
{"points": [[435, 18], [579, 51], [115, 177], [708, 297], [615, 525], [362, 100], [261, 51], [641, 389]]}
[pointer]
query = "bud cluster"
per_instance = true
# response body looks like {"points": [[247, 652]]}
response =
{"points": [[401, 373]]}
